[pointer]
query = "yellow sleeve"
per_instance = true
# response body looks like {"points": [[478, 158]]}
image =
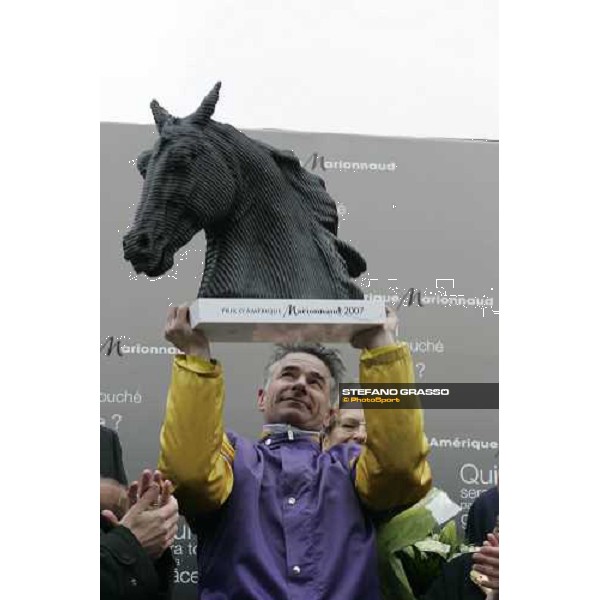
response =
{"points": [[392, 469], [195, 453]]}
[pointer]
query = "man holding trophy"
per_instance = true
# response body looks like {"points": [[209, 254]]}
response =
{"points": [[279, 517]]}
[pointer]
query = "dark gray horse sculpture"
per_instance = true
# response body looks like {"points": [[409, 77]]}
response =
{"points": [[271, 227]]}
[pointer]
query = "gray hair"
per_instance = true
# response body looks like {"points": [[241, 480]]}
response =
{"points": [[329, 356]]}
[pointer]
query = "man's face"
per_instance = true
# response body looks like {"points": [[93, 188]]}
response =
{"points": [[350, 426], [298, 392]]}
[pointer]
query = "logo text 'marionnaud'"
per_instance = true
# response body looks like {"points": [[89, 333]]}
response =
{"points": [[316, 161]]}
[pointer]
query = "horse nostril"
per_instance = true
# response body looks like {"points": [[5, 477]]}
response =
{"points": [[143, 241]]}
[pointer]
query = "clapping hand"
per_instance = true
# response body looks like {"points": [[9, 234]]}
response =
{"points": [[139, 487], [113, 497], [487, 561], [153, 514]]}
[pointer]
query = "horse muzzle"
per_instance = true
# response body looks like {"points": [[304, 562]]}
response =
{"points": [[145, 254]]}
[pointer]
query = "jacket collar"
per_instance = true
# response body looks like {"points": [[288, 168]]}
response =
{"points": [[285, 431]]}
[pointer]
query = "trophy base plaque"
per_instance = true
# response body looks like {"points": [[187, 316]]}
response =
{"points": [[284, 321]]}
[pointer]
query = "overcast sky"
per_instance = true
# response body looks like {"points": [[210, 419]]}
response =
{"points": [[426, 68]]}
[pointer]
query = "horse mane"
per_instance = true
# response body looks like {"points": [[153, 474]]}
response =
{"points": [[319, 202]]}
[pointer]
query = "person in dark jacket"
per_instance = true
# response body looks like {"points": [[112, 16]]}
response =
{"points": [[137, 529], [483, 515], [111, 456]]}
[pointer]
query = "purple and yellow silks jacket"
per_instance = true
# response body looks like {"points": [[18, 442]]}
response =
{"points": [[279, 518]]}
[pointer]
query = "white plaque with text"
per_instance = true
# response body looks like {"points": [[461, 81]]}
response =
{"points": [[279, 320]]}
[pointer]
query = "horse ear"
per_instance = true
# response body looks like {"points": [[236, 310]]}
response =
{"points": [[161, 116], [207, 108]]}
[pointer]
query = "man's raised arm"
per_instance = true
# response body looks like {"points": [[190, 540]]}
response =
{"points": [[195, 453], [392, 469]]}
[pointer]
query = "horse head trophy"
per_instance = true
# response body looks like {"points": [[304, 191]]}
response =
{"points": [[270, 225]]}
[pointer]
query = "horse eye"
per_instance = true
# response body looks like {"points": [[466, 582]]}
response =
{"points": [[178, 159], [177, 162]]}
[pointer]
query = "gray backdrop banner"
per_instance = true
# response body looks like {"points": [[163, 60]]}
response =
{"points": [[423, 212]]}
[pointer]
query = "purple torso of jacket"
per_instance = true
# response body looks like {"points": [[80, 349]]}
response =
{"points": [[293, 527]]}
